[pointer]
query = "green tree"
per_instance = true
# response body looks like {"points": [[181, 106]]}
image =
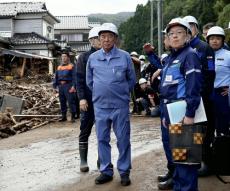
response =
{"points": [[136, 30]]}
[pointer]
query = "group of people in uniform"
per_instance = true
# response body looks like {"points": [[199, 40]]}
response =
{"points": [[145, 97], [104, 79], [194, 69]]}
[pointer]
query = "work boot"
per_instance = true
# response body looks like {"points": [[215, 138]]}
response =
{"points": [[83, 150], [203, 170], [167, 185], [103, 178], [125, 180], [63, 118], [73, 117], [163, 178]]}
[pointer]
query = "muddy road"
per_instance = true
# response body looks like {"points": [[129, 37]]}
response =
{"points": [[47, 159]]}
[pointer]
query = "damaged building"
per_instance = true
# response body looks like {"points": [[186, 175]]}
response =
{"points": [[28, 32]]}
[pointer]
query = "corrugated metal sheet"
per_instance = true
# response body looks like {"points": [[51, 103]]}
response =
{"points": [[72, 22], [13, 8], [23, 54]]}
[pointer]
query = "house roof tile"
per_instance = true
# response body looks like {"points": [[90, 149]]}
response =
{"points": [[11, 9], [81, 47], [29, 38], [72, 22], [14, 8]]}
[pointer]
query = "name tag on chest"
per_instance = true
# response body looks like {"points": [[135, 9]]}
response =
{"points": [[168, 78]]}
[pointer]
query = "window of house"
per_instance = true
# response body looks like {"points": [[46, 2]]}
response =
{"points": [[72, 37]]}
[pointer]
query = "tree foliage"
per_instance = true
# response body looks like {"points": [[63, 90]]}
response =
{"points": [[117, 19], [136, 30]]}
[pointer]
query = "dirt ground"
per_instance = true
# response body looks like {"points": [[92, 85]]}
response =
{"points": [[145, 167]]}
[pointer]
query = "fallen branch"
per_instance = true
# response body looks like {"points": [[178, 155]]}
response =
{"points": [[21, 115], [41, 124], [13, 119], [21, 124]]}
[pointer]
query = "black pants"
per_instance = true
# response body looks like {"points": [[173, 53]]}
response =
{"points": [[87, 121], [209, 134]]}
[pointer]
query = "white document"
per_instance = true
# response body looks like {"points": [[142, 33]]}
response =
{"points": [[177, 111]]}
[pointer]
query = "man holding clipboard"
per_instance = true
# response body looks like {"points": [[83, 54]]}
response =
{"points": [[181, 80]]}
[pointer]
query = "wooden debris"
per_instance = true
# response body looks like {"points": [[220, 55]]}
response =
{"points": [[41, 105]]}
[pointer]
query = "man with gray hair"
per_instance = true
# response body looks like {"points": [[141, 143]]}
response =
{"points": [[111, 77]]}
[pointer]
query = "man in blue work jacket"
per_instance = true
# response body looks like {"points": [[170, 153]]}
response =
{"points": [[180, 80], [207, 58], [65, 84], [111, 77]]}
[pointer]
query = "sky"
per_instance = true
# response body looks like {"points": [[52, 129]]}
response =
{"points": [[85, 7]]}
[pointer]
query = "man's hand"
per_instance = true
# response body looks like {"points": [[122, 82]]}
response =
{"points": [[139, 99], [135, 60], [188, 120], [83, 105], [148, 48], [72, 90], [164, 123], [55, 91], [224, 92]]}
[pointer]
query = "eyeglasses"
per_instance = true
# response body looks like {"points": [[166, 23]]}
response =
{"points": [[177, 33]]}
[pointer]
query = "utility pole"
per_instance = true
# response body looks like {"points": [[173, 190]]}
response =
{"points": [[159, 25], [151, 24]]}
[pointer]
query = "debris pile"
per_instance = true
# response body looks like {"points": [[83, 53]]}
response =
{"points": [[41, 106]]}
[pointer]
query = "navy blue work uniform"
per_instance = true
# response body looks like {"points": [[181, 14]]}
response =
{"points": [[221, 84], [207, 57], [65, 78], [181, 80], [111, 77], [87, 117], [155, 61]]}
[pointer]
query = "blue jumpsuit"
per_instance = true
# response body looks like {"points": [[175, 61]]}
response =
{"points": [[111, 77], [181, 80], [154, 60], [222, 81], [207, 57], [65, 78]]}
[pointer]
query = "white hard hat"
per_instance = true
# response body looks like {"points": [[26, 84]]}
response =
{"points": [[216, 30], [133, 53], [191, 19], [163, 56], [108, 27], [94, 32], [142, 80], [164, 31], [142, 57], [178, 21]]}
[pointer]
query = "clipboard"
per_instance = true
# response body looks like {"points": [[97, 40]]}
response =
{"points": [[176, 111]]}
